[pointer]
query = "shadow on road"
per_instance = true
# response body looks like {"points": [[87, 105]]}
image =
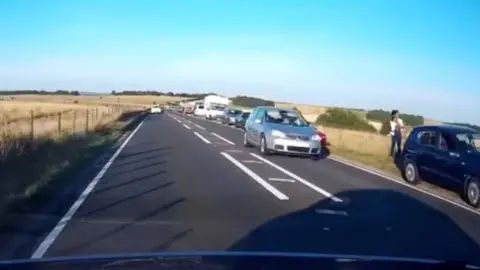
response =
{"points": [[124, 199], [73, 249], [434, 181], [367, 222]]}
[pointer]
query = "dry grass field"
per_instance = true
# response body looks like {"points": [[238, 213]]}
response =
{"points": [[99, 100], [72, 111], [37, 118]]}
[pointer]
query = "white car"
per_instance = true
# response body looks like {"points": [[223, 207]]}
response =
{"points": [[199, 110], [156, 109], [215, 112]]}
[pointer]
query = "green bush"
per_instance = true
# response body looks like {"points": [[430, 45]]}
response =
{"points": [[385, 130], [382, 116], [251, 102], [341, 118]]}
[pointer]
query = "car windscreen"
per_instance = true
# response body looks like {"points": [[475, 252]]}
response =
{"points": [[469, 141], [234, 112], [245, 115], [284, 117], [217, 107]]}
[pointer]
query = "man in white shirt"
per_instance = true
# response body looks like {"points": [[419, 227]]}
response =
{"points": [[396, 130]]}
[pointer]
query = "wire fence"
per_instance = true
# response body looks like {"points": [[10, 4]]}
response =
{"points": [[58, 123]]}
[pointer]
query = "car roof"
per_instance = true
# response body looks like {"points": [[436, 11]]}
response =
{"points": [[277, 108], [453, 129]]}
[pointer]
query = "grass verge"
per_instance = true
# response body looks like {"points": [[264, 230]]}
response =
{"points": [[31, 170]]}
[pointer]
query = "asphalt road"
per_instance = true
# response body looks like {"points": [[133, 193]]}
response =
{"points": [[187, 184]]}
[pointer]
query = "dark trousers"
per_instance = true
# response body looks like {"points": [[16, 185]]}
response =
{"points": [[396, 144]]}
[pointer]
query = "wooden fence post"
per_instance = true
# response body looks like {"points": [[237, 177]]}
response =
{"points": [[86, 119], [32, 124]]}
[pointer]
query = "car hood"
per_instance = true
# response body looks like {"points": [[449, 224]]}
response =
{"points": [[232, 260], [297, 130]]}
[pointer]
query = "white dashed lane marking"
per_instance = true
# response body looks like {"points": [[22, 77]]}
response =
{"points": [[256, 177], [202, 138], [222, 138], [299, 179], [281, 180], [252, 161]]}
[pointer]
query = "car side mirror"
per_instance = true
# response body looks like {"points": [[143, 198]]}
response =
{"points": [[258, 121]]}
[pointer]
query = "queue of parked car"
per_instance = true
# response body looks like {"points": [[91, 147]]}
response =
{"points": [[444, 155]]}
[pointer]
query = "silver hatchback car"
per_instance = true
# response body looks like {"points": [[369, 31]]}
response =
{"points": [[281, 130]]}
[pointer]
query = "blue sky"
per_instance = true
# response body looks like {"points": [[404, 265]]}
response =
{"points": [[420, 56]]}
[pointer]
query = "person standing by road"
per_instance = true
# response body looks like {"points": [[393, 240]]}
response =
{"points": [[396, 130]]}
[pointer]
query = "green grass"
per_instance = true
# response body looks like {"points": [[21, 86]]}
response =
{"points": [[382, 163]]}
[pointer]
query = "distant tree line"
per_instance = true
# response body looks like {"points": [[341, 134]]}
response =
{"points": [[159, 93], [39, 92], [345, 119], [384, 117], [251, 102]]}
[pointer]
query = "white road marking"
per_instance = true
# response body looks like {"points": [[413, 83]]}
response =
{"points": [[48, 241], [281, 180], [234, 151], [178, 121], [257, 178], [187, 127], [252, 161], [405, 184], [201, 137], [200, 127], [298, 178], [331, 212], [222, 138]]}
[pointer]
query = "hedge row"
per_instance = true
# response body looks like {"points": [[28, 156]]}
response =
{"points": [[384, 116], [346, 119]]}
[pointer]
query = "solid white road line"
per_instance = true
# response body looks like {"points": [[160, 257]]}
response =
{"points": [[48, 241], [200, 127], [201, 137], [255, 177], [187, 127], [222, 138], [281, 180], [298, 178]]}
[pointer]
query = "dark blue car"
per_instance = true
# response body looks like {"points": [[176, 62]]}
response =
{"points": [[448, 154]]}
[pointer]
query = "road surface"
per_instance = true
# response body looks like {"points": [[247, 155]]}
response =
{"points": [[185, 184]]}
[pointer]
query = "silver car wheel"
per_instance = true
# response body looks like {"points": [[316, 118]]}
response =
{"points": [[262, 145], [410, 172], [473, 192]]}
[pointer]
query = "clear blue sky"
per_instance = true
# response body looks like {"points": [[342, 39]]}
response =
{"points": [[420, 56]]}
